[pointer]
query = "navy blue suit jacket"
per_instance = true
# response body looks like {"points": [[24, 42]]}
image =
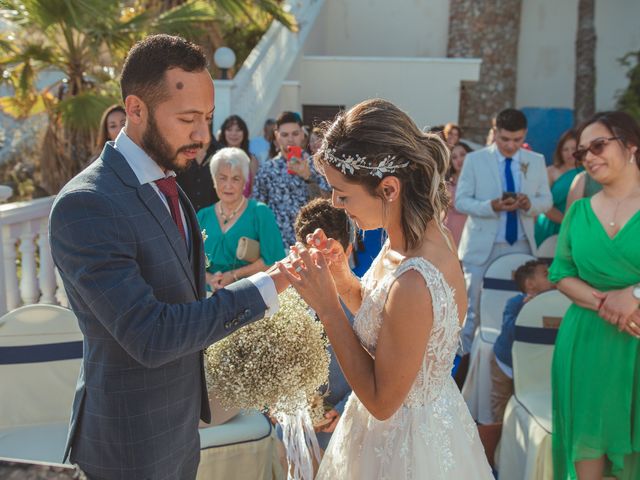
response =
{"points": [[139, 294]]}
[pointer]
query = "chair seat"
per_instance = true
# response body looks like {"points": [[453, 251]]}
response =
{"points": [[42, 443], [489, 334], [247, 426], [538, 404]]}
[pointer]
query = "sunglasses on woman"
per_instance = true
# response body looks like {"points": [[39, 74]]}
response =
{"points": [[596, 147]]}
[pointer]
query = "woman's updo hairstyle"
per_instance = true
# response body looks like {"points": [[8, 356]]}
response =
{"points": [[376, 130]]}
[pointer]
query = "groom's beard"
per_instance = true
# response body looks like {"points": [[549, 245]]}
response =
{"points": [[160, 151]]}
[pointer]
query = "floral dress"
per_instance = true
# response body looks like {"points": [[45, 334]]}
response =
{"points": [[432, 435]]}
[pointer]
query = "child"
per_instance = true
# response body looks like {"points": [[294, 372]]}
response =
{"points": [[531, 279]]}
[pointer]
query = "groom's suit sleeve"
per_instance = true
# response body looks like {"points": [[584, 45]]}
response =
{"points": [[95, 247]]}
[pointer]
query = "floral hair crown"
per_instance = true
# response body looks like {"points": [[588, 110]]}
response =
{"points": [[349, 164]]}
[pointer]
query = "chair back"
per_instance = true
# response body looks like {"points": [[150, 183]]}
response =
{"points": [[547, 249], [40, 357], [498, 287], [536, 329]]}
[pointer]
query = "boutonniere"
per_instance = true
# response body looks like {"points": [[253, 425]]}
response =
{"points": [[524, 168], [207, 262]]}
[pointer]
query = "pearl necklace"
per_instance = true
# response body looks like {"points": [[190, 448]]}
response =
{"points": [[226, 218]]}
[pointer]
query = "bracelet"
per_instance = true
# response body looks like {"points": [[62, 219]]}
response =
{"points": [[235, 277]]}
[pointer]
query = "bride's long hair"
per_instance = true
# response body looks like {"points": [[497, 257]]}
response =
{"points": [[377, 129]]}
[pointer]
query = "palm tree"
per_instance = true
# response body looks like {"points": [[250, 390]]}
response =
{"points": [[585, 79], [62, 58]]}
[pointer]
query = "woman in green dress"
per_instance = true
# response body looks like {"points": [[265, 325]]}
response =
{"points": [[596, 364], [560, 174], [233, 217]]}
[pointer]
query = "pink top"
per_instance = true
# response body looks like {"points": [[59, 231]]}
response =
{"points": [[455, 220]]}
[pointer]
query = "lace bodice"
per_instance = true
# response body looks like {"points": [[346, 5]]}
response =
{"points": [[441, 347], [432, 435]]}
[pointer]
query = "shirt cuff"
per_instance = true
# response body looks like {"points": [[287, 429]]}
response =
{"points": [[267, 289]]}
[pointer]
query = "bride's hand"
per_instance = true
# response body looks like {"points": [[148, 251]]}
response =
{"points": [[309, 275], [334, 253]]}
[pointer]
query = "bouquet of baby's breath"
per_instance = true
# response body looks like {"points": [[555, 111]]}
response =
{"points": [[276, 364]]}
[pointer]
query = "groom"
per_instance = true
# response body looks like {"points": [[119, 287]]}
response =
{"points": [[129, 250]]}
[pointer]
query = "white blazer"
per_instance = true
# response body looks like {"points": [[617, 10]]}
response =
{"points": [[480, 183]]}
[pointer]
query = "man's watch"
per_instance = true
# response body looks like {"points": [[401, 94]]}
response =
{"points": [[635, 291]]}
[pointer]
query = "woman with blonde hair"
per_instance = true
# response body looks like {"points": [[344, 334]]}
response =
{"points": [[406, 417]]}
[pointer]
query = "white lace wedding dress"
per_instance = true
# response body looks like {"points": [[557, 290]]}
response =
{"points": [[432, 435]]}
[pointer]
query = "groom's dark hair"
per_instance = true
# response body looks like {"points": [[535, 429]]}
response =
{"points": [[143, 73]]}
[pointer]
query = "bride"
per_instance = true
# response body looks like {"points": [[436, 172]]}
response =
{"points": [[406, 418]]}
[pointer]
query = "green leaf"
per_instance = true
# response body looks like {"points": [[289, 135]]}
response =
{"points": [[186, 20], [83, 111]]}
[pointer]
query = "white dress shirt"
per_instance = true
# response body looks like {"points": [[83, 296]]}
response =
{"points": [[147, 170], [517, 181]]}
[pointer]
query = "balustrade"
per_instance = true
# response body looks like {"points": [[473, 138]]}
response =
{"points": [[26, 265]]}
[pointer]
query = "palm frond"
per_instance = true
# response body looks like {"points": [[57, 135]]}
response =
{"points": [[186, 20], [82, 112], [245, 8], [22, 106]]}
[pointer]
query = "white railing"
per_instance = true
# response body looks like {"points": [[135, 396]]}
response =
{"points": [[24, 235], [255, 88]]}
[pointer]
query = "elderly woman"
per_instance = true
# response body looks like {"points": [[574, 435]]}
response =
{"points": [[233, 217]]}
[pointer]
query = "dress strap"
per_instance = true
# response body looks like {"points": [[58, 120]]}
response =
{"points": [[441, 292]]}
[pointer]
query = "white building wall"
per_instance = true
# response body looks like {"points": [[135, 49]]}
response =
{"points": [[381, 28], [428, 89], [546, 51]]}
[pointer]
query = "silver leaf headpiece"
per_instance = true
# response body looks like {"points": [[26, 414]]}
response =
{"points": [[349, 163]]}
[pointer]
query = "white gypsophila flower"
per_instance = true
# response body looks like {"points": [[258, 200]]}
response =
{"points": [[207, 262], [276, 363]]}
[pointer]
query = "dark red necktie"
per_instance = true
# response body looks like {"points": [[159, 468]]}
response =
{"points": [[169, 188]]}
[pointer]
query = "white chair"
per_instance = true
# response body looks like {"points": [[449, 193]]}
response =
{"points": [[525, 446], [243, 448], [40, 356], [497, 287], [547, 249]]}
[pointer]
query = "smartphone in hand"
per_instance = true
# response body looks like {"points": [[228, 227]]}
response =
{"points": [[507, 195], [293, 152]]}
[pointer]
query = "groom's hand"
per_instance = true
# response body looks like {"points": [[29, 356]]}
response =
{"points": [[279, 279]]}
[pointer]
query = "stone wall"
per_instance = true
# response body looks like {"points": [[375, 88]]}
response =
{"points": [[486, 29]]}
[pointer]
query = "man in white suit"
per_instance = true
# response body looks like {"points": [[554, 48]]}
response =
{"points": [[502, 188]]}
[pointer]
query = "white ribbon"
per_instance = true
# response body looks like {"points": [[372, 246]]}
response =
{"points": [[300, 441]]}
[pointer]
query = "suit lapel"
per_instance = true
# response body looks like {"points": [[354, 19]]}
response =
{"points": [[152, 201], [196, 258], [494, 166]]}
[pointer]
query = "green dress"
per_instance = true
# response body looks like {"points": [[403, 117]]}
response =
{"points": [[545, 227], [596, 368], [256, 222]]}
